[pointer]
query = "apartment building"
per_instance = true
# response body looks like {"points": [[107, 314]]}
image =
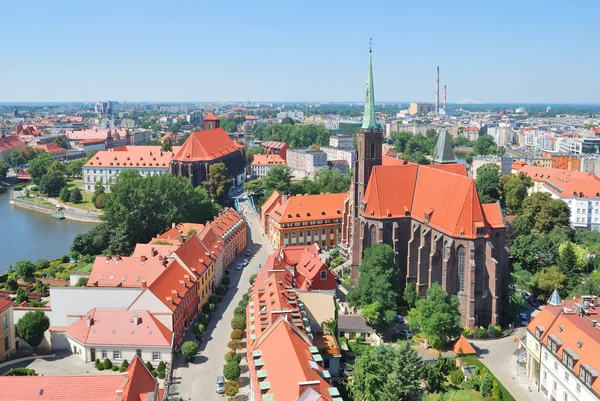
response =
{"points": [[306, 160], [341, 141], [7, 330], [479, 161], [562, 344], [231, 227], [336, 154], [261, 164]]}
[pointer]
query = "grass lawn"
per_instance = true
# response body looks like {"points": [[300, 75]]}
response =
{"points": [[473, 361], [86, 203], [36, 200]]}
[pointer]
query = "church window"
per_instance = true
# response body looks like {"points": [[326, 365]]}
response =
{"points": [[461, 256], [372, 150], [373, 234], [479, 269]]}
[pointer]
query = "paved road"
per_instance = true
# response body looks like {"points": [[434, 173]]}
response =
{"points": [[501, 358], [198, 380]]}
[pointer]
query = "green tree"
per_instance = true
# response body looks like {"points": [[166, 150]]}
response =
{"points": [[21, 296], [4, 167], [75, 196], [11, 284], [279, 178], [94, 242], [387, 373], [238, 322], [231, 388], [15, 159], [98, 190], [190, 349], [231, 370], [74, 169], [485, 145], [568, 265], [372, 313], [589, 286], [545, 281], [436, 317], [58, 168], [218, 184], [31, 328], [40, 287], [488, 182], [65, 195], [167, 145], [81, 282], [485, 388], [379, 280], [435, 378], [288, 120], [545, 213], [253, 150], [24, 268], [52, 183], [410, 295], [39, 165], [330, 327]]}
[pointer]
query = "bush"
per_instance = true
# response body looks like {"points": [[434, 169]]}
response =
{"points": [[235, 345], [81, 282], [213, 299], [65, 258], [199, 329], [360, 339], [115, 368], [208, 307], [149, 366], [154, 373], [205, 319], [457, 377], [232, 388], [99, 202], [220, 290], [125, 364], [233, 356], [161, 366], [65, 195], [231, 370], [237, 334], [22, 295], [11, 284], [100, 367], [252, 279], [238, 322], [20, 372], [75, 196], [107, 364], [485, 388], [190, 350], [97, 362], [226, 281], [239, 311], [162, 374]]}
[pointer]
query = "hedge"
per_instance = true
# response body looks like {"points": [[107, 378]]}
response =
{"points": [[472, 360]]}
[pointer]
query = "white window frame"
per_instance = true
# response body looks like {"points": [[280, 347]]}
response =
{"points": [[156, 356], [117, 355]]}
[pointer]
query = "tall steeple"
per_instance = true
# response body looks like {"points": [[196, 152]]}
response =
{"points": [[369, 121], [443, 153]]}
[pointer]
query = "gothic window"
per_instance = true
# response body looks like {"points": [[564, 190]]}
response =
{"points": [[373, 235], [372, 150], [479, 269], [461, 259]]}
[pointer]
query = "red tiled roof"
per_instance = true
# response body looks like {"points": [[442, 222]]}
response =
{"points": [[10, 143], [133, 157], [394, 161], [151, 251], [566, 183], [194, 255], [125, 271], [274, 198], [455, 168], [462, 345], [5, 304], [140, 383], [250, 117], [119, 327], [207, 145], [49, 148], [262, 160], [223, 223], [211, 240], [94, 133], [273, 145], [211, 117], [173, 284], [181, 230], [493, 215], [310, 207], [449, 200]]}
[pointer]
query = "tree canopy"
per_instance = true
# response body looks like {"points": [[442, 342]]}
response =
{"points": [[387, 373], [31, 328], [39, 166], [488, 182], [485, 145], [218, 183], [294, 135]]}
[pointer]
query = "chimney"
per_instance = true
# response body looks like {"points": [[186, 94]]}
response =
{"points": [[135, 319], [89, 321], [118, 257], [144, 284], [119, 393], [143, 258], [173, 225], [437, 91], [108, 258], [302, 386], [444, 97]]}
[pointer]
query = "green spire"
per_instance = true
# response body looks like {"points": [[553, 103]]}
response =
{"points": [[369, 121]]}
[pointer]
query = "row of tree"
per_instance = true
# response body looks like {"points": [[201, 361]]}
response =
{"points": [[295, 135]]}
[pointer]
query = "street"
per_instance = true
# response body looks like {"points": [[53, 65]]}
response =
{"points": [[197, 380]]}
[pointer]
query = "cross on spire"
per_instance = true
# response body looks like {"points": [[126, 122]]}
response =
{"points": [[370, 45]]}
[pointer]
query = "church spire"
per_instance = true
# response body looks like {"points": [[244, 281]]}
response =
{"points": [[369, 121], [443, 152]]}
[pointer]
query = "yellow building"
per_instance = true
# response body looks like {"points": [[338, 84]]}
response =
{"points": [[420, 108], [7, 329]]}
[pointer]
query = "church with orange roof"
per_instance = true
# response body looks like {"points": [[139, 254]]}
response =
{"points": [[432, 217], [209, 146]]}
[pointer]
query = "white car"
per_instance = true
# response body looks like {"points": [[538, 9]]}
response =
{"points": [[245, 262], [238, 267]]}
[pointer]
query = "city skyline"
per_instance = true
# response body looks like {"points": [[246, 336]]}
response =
{"points": [[536, 53]]}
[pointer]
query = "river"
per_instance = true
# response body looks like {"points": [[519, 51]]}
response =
{"points": [[27, 234]]}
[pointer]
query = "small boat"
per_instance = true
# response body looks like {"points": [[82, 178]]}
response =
{"points": [[58, 216]]}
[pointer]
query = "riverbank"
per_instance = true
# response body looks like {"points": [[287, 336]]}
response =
{"points": [[69, 212]]}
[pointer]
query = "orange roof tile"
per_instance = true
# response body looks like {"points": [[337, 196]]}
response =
{"points": [[211, 240], [310, 207], [211, 117], [565, 183], [119, 327], [49, 148], [140, 383], [271, 201], [125, 271], [194, 255], [226, 221], [394, 161], [456, 168], [10, 143], [5, 304], [133, 157], [181, 230], [152, 251], [462, 345], [207, 145], [173, 284], [262, 160], [493, 215], [93, 133]]}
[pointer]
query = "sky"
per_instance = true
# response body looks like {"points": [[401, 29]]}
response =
{"points": [[512, 51]]}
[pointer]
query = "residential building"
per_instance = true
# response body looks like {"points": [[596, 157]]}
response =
{"points": [[231, 227], [261, 164], [306, 160], [135, 384], [578, 146], [562, 344], [334, 154], [304, 219], [503, 136], [119, 334], [433, 219], [180, 232], [590, 165], [126, 271], [7, 330], [420, 108], [198, 260], [207, 147], [562, 161], [581, 191], [54, 150], [296, 115], [479, 161], [105, 165], [341, 141], [9, 144], [211, 240], [352, 326], [275, 148]]}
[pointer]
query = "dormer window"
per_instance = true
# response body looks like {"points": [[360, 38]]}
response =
{"points": [[539, 331], [554, 343], [569, 357], [587, 374]]}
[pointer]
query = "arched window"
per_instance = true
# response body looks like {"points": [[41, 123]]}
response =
{"points": [[479, 269], [372, 150], [373, 235], [461, 259]]}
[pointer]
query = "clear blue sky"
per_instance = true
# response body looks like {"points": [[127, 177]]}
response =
{"points": [[511, 51]]}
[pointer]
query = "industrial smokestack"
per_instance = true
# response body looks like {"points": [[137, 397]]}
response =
{"points": [[437, 91], [444, 97]]}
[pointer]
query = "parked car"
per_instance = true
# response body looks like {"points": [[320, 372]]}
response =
{"points": [[525, 295], [238, 267], [405, 334], [245, 262], [220, 385], [399, 318], [532, 301], [247, 253]]}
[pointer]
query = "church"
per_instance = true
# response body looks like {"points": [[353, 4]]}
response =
{"points": [[432, 217]]}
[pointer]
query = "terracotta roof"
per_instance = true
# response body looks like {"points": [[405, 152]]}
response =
{"points": [[152, 251], [140, 383], [207, 145], [173, 284], [462, 345], [262, 160], [310, 207], [181, 230], [517, 164], [93, 133], [211, 117], [273, 145], [211, 240], [448, 201], [133, 157], [225, 222], [10, 143], [194, 255], [493, 215], [49, 148], [274, 198], [250, 117], [394, 161], [125, 271], [119, 327], [5, 304], [455, 168], [565, 183]]}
